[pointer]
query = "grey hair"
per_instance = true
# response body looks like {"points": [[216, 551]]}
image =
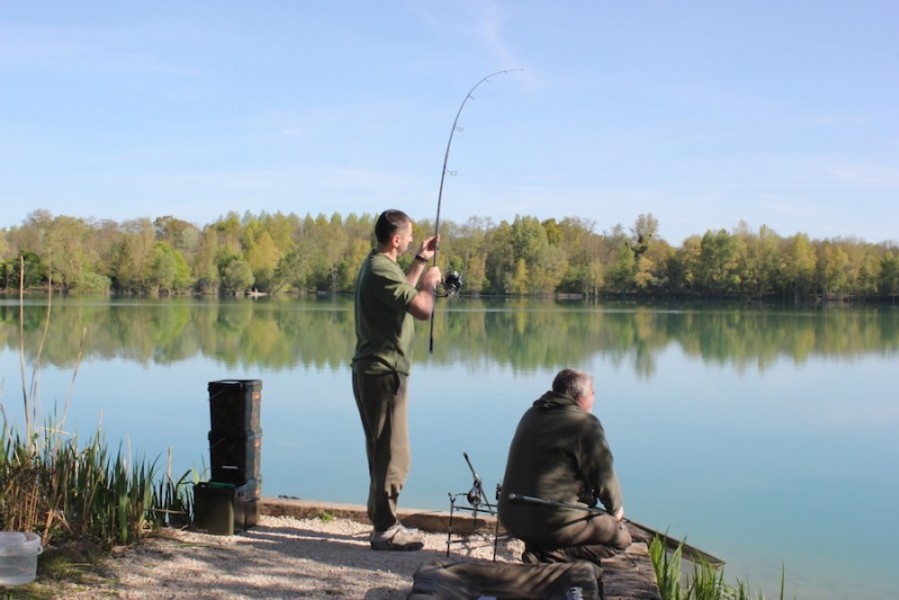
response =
{"points": [[572, 383]]}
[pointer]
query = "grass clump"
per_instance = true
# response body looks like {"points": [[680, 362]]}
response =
{"points": [[81, 499], [50, 485], [703, 582]]}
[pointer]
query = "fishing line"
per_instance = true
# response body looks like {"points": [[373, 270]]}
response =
{"points": [[453, 281]]}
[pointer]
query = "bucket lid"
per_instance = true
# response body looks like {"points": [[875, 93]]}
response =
{"points": [[17, 543]]}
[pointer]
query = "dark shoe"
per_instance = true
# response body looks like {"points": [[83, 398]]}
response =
{"points": [[397, 538]]}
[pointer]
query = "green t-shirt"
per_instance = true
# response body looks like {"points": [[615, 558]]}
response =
{"points": [[384, 329]]}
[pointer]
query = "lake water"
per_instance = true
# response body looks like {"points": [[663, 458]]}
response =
{"points": [[765, 436]]}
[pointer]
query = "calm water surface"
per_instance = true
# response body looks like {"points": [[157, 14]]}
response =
{"points": [[764, 436]]}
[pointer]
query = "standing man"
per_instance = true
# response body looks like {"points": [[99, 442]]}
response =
{"points": [[559, 454], [386, 304]]}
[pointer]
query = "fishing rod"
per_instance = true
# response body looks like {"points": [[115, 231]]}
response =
{"points": [[453, 281], [691, 552]]}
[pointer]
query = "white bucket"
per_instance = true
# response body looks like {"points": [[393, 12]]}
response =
{"points": [[18, 557]]}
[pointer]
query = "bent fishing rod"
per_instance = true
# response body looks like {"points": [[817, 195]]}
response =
{"points": [[453, 282], [691, 552]]}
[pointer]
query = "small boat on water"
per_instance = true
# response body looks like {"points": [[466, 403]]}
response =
{"points": [[255, 293]]}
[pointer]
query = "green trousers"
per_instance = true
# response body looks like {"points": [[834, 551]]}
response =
{"points": [[381, 400]]}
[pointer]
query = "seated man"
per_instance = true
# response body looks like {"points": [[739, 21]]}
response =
{"points": [[558, 457]]}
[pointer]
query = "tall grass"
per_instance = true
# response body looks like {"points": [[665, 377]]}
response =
{"points": [[703, 582], [173, 500], [51, 485]]}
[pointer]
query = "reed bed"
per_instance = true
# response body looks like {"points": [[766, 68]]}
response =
{"points": [[50, 485]]}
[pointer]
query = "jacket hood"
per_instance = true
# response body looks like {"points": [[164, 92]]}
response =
{"points": [[551, 400]]}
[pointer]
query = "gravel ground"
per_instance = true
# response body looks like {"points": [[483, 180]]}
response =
{"points": [[281, 557]]}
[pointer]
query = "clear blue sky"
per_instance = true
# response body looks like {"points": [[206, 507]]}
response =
{"points": [[703, 113]]}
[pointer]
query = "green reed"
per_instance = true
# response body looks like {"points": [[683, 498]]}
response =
{"points": [[704, 582], [51, 485], [173, 500]]}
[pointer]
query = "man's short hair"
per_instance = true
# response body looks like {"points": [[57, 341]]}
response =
{"points": [[388, 224], [572, 383]]}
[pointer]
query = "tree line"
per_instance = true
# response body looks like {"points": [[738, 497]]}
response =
{"points": [[285, 253]]}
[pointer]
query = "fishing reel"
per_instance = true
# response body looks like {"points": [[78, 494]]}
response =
{"points": [[452, 283], [476, 496]]}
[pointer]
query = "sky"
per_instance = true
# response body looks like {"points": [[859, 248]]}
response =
{"points": [[701, 113]]}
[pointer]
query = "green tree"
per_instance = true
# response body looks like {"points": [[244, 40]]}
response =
{"points": [[832, 272], [758, 263], [888, 284], [282, 229], [864, 266], [519, 281], [29, 271], [107, 238], [721, 256], [31, 236], [4, 245], [798, 265], [205, 266], [63, 251], [468, 252], [622, 265], [179, 234], [293, 270], [133, 257], [501, 259], [237, 276], [621, 272], [343, 265], [263, 257], [575, 237], [685, 267], [229, 232], [543, 265], [169, 272]]}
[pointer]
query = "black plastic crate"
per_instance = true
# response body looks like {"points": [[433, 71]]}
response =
{"points": [[235, 458], [234, 405], [225, 508]]}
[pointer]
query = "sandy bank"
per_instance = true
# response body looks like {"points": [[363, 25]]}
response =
{"points": [[281, 557]]}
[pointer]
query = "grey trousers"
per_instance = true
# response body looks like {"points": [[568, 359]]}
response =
{"points": [[381, 400], [593, 538]]}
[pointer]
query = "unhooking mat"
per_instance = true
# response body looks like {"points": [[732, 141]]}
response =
{"points": [[443, 580]]}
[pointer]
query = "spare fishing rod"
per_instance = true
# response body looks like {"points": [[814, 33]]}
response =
{"points": [[477, 502], [452, 283]]}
